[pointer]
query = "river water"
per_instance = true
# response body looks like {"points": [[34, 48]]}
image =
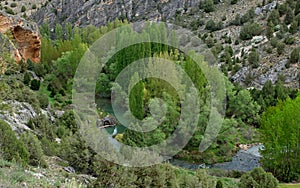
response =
{"points": [[244, 160]]}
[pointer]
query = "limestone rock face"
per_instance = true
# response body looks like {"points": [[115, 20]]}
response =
{"points": [[23, 35], [17, 115], [99, 12]]}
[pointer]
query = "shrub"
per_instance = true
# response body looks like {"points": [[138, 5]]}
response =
{"points": [[26, 79], [219, 184], [12, 5], [253, 59], [34, 6], [280, 48], [249, 30], [23, 9], [34, 147], [233, 2], [258, 178], [294, 58], [209, 6], [35, 84], [12, 148], [9, 11], [43, 99]]}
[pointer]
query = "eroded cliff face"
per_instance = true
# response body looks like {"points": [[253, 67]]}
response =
{"points": [[99, 12], [23, 35]]}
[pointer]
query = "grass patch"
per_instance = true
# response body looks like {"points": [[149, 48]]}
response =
{"points": [[289, 185]]}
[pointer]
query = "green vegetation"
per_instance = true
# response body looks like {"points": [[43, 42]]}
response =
{"points": [[281, 140], [11, 147], [269, 115], [258, 178], [249, 30]]}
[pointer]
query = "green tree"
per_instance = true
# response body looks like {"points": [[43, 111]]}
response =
{"points": [[136, 97], [280, 134], [242, 106]]}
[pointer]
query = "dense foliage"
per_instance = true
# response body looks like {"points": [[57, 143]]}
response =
{"points": [[280, 133]]}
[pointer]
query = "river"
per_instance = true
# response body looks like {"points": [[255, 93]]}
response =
{"points": [[244, 160]]}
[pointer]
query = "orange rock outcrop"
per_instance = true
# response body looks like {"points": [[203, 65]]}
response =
{"points": [[24, 35]]}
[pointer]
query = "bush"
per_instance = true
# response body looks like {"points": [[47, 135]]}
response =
{"points": [[35, 84], [212, 26], [26, 79], [12, 5], [43, 99], [280, 48], [219, 184], [249, 30], [34, 147], [233, 2], [34, 6], [258, 178], [23, 9], [209, 6], [294, 58], [253, 59], [9, 11], [12, 148]]}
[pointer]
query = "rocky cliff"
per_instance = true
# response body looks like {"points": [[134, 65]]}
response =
{"points": [[99, 12], [23, 37], [188, 13]]}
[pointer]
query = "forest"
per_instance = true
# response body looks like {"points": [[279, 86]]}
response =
{"points": [[269, 115]]}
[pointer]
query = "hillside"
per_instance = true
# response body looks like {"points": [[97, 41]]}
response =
{"points": [[64, 125], [190, 14]]}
